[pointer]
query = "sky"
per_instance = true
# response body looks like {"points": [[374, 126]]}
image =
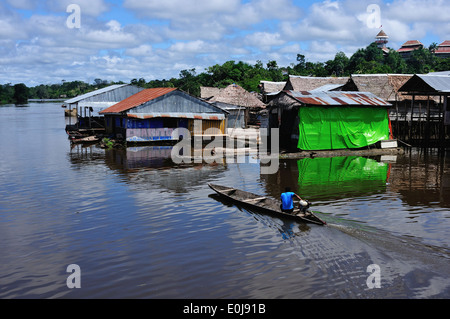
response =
{"points": [[50, 41]]}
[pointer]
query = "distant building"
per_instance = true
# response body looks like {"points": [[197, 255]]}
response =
{"points": [[235, 95], [381, 40], [270, 88], [443, 50], [408, 47], [153, 115]]}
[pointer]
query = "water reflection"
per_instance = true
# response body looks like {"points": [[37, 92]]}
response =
{"points": [[141, 227], [422, 178], [330, 178]]}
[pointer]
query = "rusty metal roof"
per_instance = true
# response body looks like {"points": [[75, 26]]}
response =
{"points": [[137, 99], [337, 98]]}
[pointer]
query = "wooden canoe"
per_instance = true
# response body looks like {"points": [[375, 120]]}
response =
{"points": [[264, 204]]}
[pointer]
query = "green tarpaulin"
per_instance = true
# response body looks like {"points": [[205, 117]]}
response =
{"points": [[340, 127]]}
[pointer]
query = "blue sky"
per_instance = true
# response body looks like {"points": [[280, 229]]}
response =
{"points": [[119, 40]]}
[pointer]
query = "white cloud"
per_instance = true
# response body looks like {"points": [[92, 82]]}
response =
{"points": [[264, 40], [22, 4], [412, 11], [92, 8], [180, 9], [157, 39], [141, 50]]}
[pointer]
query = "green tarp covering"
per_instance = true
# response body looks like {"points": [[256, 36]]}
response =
{"points": [[340, 127]]}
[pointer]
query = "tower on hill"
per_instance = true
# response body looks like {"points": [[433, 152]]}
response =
{"points": [[381, 39]]}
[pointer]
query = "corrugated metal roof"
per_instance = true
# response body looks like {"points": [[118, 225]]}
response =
{"points": [[94, 93], [440, 83], [427, 84], [137, 99], [327, 87], [337, 98]]}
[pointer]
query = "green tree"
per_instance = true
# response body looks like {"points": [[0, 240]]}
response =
{"points": [[421, 61], [396, 63], [20, 93], [339, 65], [6, 93], [188, 82]]}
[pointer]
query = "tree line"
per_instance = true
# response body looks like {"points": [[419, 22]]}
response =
{"points": [[369, 60]]}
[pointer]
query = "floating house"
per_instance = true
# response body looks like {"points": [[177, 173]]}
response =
{"points": [[86, 108], [385, 86], [407, 114], [329, 120], [98, 100], [238, 97], [270, 88], [237, 115], [153, 115], [435, 124]]}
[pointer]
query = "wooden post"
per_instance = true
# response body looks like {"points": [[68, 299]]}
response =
{"points": [[411, 119], [427, 124]]}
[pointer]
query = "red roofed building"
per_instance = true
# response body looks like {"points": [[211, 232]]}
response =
{"points": [[443, 50], [408, 47], [154, 114]]}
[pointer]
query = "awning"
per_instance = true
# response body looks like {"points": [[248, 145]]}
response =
{"points": [[196, 116]]}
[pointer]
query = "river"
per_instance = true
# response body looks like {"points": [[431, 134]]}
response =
{"points": [[137, 226]]}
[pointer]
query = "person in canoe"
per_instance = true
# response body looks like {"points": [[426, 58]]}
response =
{"points": [[287, 201]]}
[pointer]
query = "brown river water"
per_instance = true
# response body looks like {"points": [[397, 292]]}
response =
{"points": [[138, 226]]}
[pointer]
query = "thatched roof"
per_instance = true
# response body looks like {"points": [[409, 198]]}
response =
{"points": [[271, 87], [207, 92], [385, 86], [308, 83], [232, 94]]}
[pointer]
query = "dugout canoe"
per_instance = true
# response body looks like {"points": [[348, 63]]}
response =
{"points": [[264, 204]]}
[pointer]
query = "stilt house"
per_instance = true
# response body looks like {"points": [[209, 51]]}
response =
{"points": [[329, 120], [153, 115]]}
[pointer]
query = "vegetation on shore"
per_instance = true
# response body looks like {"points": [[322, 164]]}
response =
{"points": [[369, 60]]}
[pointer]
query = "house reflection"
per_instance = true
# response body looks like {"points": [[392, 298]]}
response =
{"points": [[326, 178]]}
